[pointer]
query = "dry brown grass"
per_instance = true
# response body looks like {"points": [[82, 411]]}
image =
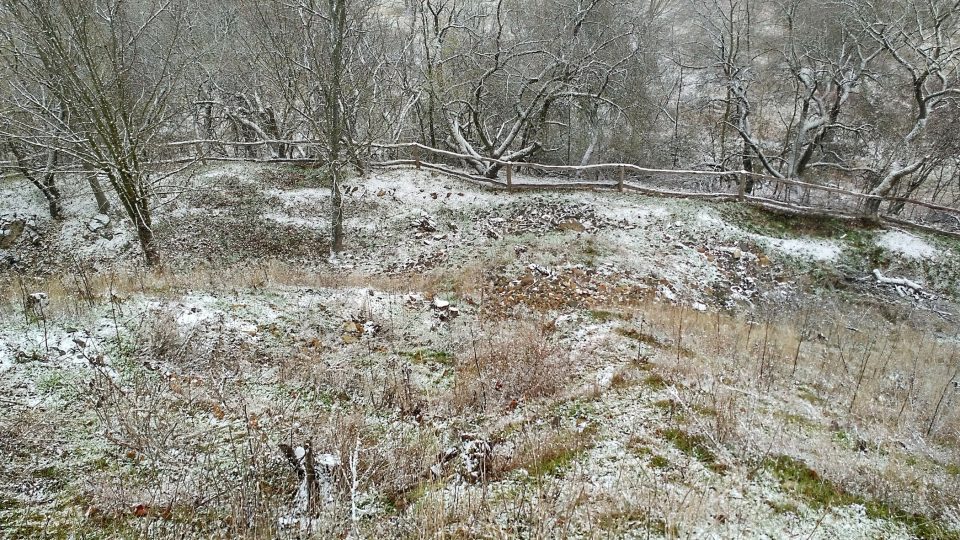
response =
{"points": [[844, 389], [727, 375], [73, 293], [506, 364], [858, 364], [201, 439]]}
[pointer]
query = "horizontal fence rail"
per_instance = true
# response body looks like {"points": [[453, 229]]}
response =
{"points": [[785, 195]]}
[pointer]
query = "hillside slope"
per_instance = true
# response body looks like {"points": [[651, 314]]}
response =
{"points": [[477, 364]]}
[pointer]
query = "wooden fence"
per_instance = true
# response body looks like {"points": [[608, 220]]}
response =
{"points": [[768, 192], [784, 195]]}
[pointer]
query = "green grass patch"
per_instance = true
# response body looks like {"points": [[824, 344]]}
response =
{"points": [[403, 497], [552, 454], [785, 507], [695, 446], [47, 473], [666, 405], [633, 520], [642, 337], [555, 462], [780, 225], [808, 395], [638, 449], [656, 381], [819, 493], [602, 316], [659, 462], [793, 418]]}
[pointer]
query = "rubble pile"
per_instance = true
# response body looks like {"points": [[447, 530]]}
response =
{"points": [[542, 216], [576, 286]]}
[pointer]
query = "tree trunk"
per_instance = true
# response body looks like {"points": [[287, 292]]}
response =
{"points": [[130, 187], [336, 126], [750, 181], [51, 190], [103, 204], [150, 253], [889, 183], [336, 217], [46, 184], [55, 204]]}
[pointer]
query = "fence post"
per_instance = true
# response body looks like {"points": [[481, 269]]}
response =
{"points": [[623, 174], [416, 157], [509, 177], [741, 186]]}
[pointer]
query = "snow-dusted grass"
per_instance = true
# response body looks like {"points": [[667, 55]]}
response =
{"points": [[569, 395], [810, 249], [908, 245], [639, 432], [816, 250]]}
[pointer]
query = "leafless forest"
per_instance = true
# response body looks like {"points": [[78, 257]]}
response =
{"points": [[535, 269], [855, 93]]}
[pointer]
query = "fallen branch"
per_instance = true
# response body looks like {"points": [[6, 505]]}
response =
{"points": [[902, 282]]}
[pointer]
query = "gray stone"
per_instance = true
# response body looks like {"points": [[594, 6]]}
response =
{"points": [[10, 232]]}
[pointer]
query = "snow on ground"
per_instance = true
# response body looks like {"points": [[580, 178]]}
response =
{"points": [[679, 247], [428, 189], [633, 213], [298, 197], [293, 221], [6, 357], [817, 250], [223, 170], [76, 237], [707, 220], [907, 245], [803, 248], [18, 197]]}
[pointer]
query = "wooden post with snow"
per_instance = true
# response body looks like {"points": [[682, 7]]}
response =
{"points": [[509, 177], [623, 174], [416, 157], [741, 187]]}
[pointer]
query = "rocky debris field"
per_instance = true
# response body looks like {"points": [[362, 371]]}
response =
{"points": [[476, 364]]}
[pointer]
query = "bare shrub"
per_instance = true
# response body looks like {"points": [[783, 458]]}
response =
{"points": [[509, 364]]}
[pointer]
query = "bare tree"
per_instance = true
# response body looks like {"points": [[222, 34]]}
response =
{"points": [[112, 66], [495, 75], [321, 58], [35, 163], [39, 167], [920, 44]]}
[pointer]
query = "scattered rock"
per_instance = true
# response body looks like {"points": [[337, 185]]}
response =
{"points": [[542, 270], [10, 232], [734, 252], [445, 311], [565, 287], [98, 222], [476, 459], [542, 215], [355, 329], [571, 225], [665, 292], [425, 225]]}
